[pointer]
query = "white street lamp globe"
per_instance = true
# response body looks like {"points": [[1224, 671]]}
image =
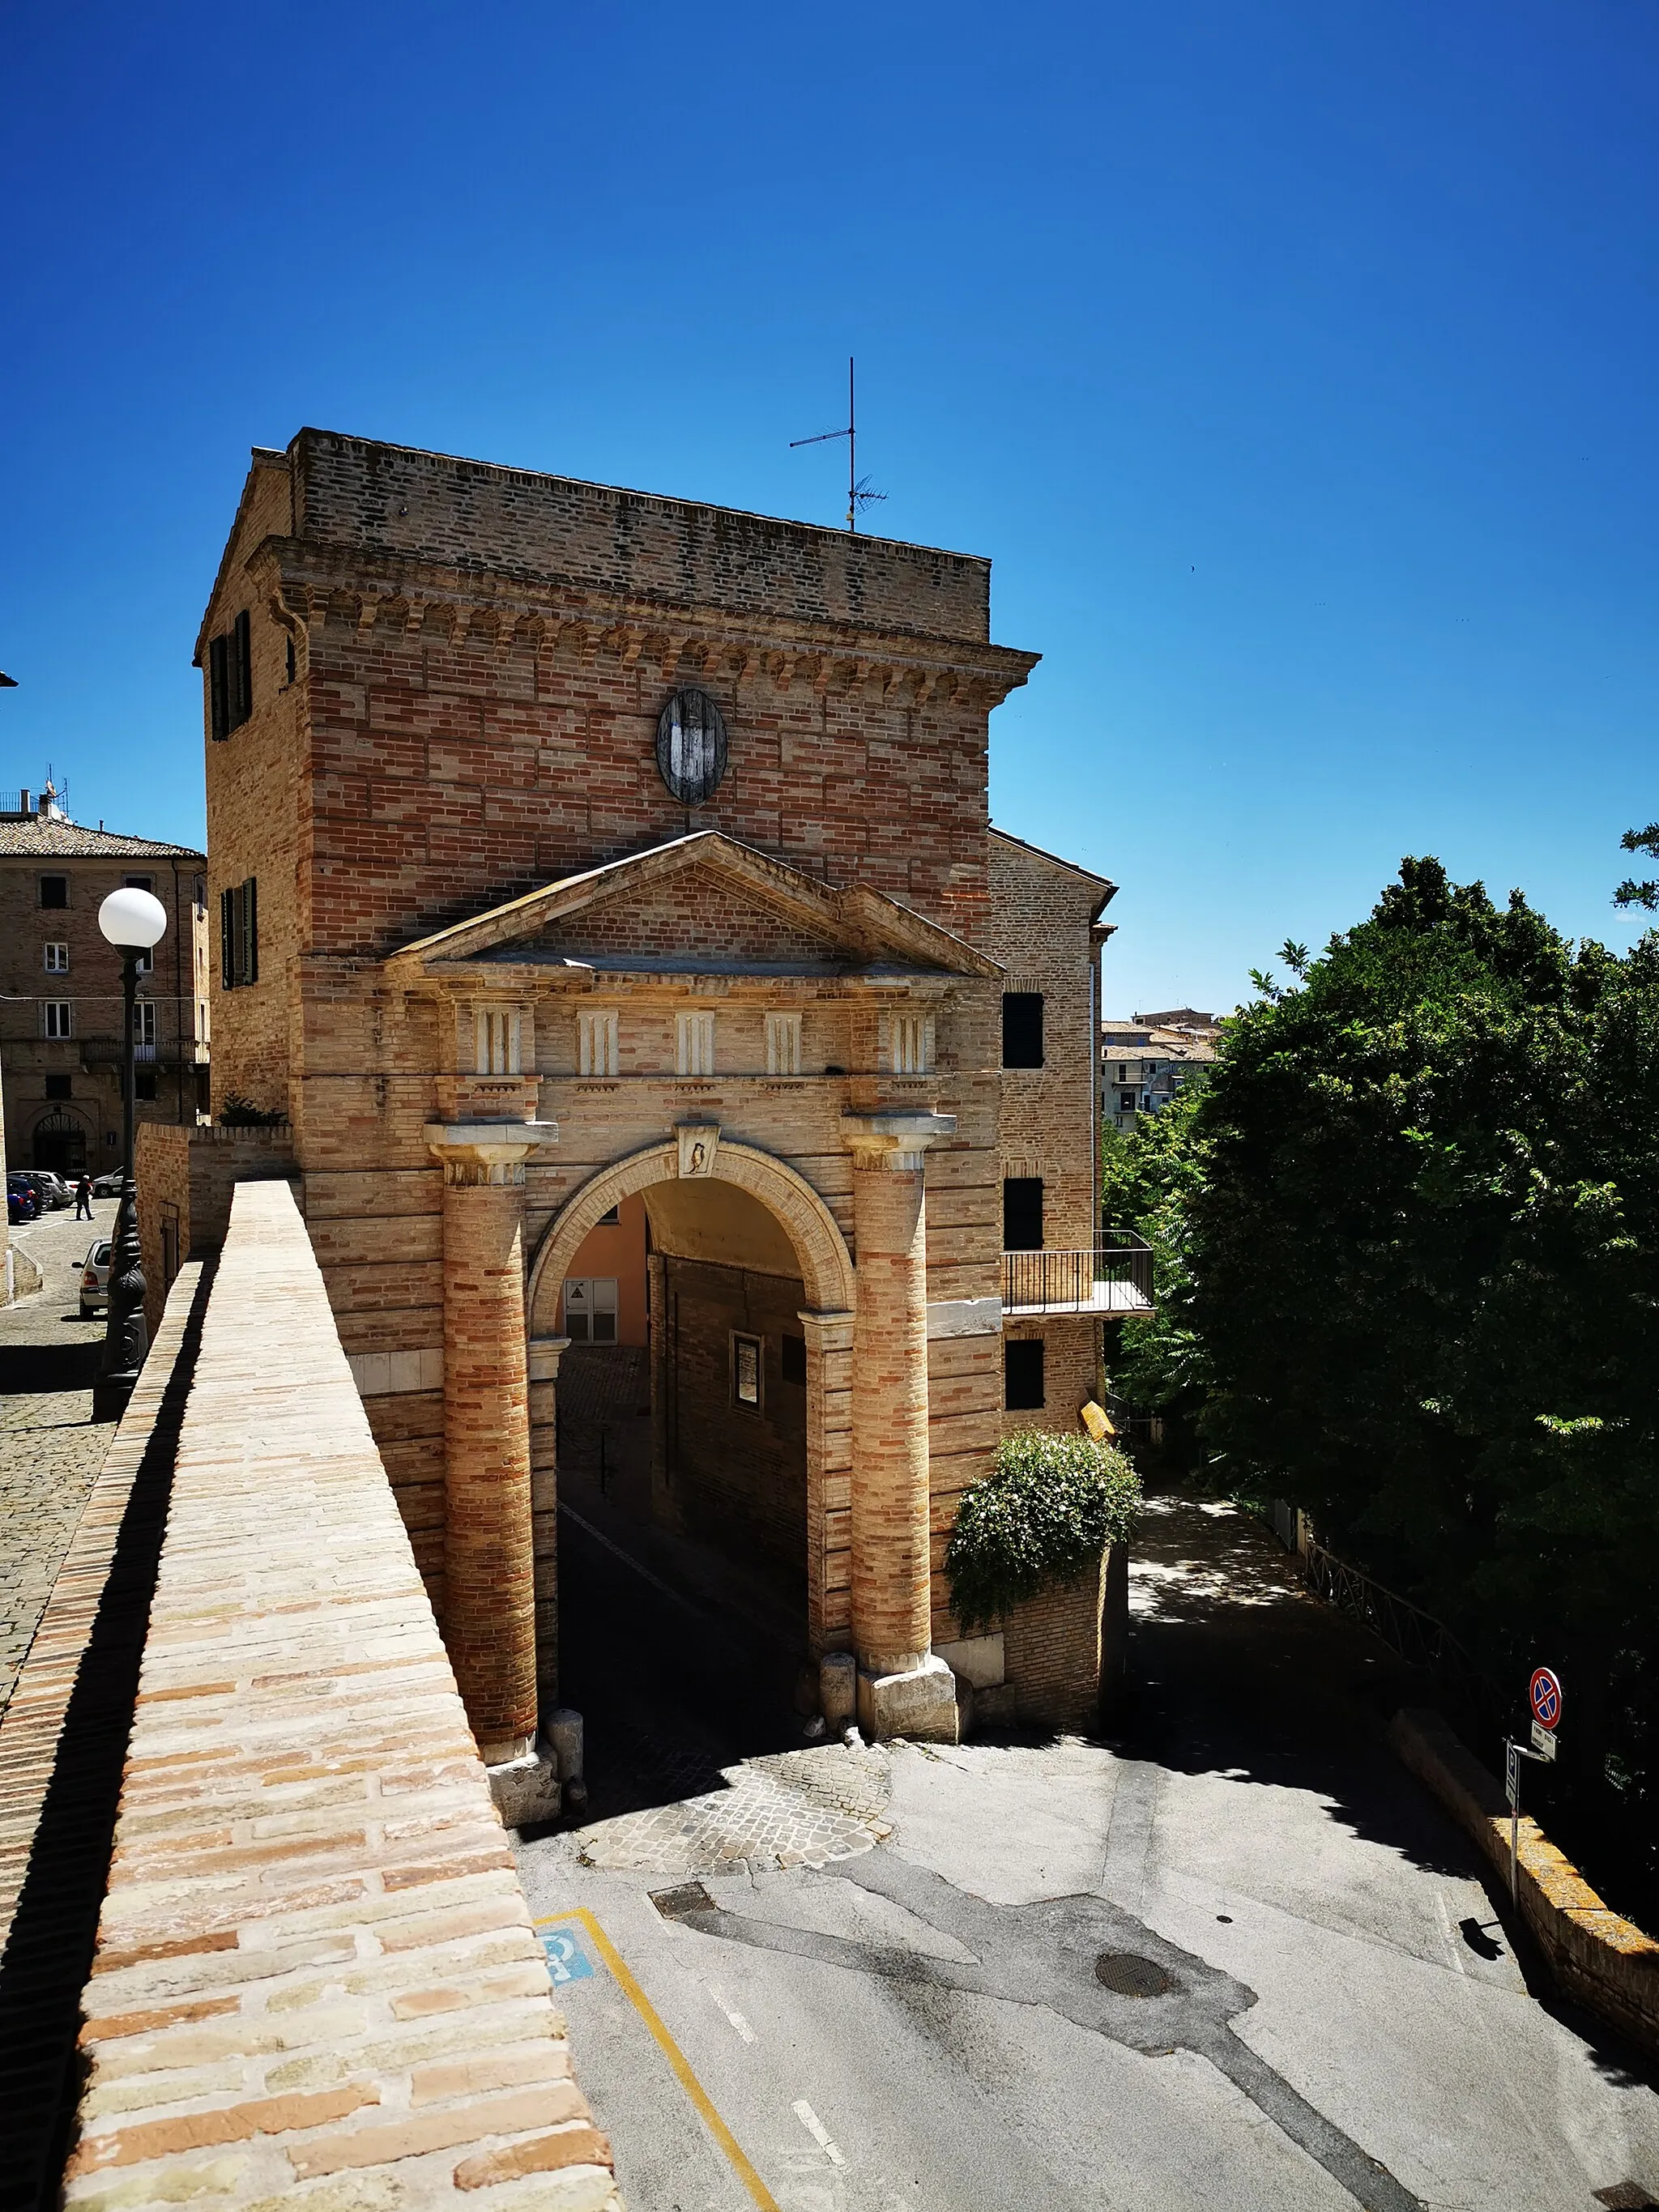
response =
{"points": [[133, 919]]}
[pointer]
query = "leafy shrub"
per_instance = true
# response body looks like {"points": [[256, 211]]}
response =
{"points": [[1045, 1514], [239, 1113]]}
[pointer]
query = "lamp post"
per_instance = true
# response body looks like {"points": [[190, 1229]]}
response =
{"points": [[133, 921]]}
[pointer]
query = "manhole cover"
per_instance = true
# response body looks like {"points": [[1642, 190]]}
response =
{"points": [[1127, 1975], [675, 1904]]}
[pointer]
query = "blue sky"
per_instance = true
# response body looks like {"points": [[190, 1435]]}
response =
{"points": [[1293, 363]]}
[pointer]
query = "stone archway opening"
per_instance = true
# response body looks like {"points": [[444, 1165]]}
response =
{"points": [[690, 1470]]}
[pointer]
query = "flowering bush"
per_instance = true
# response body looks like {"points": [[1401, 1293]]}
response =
{"points": [[1048, 1511]]}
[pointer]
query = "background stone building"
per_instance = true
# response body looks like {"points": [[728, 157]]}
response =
{"points": [[61, 1011], [597, 865], [1145, 1061]]}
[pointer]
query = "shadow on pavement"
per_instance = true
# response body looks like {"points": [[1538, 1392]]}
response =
{"points": [[31, 1367], [672, 1683]]}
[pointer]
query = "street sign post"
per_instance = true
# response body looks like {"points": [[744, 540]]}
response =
{"points": [[1544, 1696]]}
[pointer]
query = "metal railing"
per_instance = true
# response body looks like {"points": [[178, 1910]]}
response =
{"points": [[168, 1052], [1418, 1637], [1033, 1280]]}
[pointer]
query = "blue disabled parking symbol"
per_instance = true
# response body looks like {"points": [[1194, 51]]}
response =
{"points": [[567, 1961]]}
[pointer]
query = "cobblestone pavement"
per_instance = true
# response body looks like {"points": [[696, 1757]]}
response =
{"points": [[50, 1449], [791, 1808]]}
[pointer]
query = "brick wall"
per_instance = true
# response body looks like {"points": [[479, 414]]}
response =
{"points": [[737, 1474], [315, 1964], [1052, 1648], [186, 1177], [1040, 929], [394, 501], [253, 780]]}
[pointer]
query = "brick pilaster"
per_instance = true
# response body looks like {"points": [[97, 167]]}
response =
{"points": [[892, 1629], [489, 1566]]}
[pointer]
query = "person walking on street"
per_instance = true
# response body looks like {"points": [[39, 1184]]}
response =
{"points": [[83, 1199]]}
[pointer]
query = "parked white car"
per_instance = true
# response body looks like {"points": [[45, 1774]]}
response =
{"points": [[95, 1279]]}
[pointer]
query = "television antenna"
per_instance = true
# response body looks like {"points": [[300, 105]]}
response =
{"points": [[859, 493]]}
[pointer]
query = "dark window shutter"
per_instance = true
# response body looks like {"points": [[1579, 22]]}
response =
{"points": [[1022, 1375], [227, 939], [1022, 1213], [1021, 1028], [242, 653], [218, 687], [250, 931]]}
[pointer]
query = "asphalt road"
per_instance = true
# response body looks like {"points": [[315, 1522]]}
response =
{"points": [[1232, 1958]]}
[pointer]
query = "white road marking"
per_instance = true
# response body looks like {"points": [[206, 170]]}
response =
{"points": [[1452, 1942], [736, 2018], [814, 2128]]}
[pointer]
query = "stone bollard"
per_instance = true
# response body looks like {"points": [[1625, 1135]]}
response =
{"points": [[838, 1686]]}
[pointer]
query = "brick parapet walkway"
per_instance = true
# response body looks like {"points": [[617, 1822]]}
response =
{"points": [[315, 1959], [63, 1742]]}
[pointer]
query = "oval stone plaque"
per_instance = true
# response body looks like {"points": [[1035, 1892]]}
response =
{"points": [[691, 747]]}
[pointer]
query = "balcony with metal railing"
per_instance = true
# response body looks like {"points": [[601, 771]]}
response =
{"points": [[1115, 1278], [167, 1052]]}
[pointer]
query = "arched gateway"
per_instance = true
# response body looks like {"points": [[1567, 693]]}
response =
{"points": [[699, 1163]]}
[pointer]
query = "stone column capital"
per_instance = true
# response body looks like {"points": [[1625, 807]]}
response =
{"points": [[487, 1152], [828, 1332], [545, 1353], [895, 1140]]}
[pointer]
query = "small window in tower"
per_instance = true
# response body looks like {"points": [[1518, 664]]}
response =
{"points": [[1021, 1028], [230, 677], [1022, 1375], [54, 890], [1022, 1213], [57, 959], [746, 1371], [57, 1018]]}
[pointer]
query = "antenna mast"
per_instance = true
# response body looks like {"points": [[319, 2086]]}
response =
{"points": [[859, 493]]}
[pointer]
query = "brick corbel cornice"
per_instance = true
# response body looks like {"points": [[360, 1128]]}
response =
{"points": [[305, 581]]}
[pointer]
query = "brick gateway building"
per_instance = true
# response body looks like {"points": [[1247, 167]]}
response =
{"points": [[577, 851]]}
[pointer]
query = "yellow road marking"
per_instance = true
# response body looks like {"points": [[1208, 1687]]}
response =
{"points": [[670, 2050]]}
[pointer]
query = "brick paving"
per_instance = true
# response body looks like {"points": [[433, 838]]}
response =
{"points": [[791, 1808], [51, 1450]]}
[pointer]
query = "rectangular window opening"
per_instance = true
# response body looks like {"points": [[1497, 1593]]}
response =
{"points": [[57, 959], [1022, 1375], [793, 1360], [1022, 1213], [54, 890], [1021, 1028], [58, 1018], [746, 1371]]}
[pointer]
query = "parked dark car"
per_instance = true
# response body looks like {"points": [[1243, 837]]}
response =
{"points": [[49, 1192], [21, 1204]]}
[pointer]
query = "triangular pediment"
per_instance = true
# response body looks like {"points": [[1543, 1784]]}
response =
{"points": [[703, 901]]}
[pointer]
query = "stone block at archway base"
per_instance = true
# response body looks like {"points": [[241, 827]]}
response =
{"points": [[525, 1791], [919, 1704]]}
